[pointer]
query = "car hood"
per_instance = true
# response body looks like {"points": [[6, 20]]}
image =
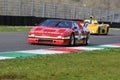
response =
{"points": [[50, 30]]}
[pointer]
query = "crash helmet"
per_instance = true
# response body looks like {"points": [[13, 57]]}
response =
{"points": [[91, 17]]}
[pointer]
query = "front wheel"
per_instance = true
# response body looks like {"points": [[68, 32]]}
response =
{"points": [[72, 40], [87, 40]]}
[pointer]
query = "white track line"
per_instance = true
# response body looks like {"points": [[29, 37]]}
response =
{"points": [[42, 51], [1, 57]]}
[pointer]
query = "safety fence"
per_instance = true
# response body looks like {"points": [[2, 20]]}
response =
{"points": [[54, 10]]}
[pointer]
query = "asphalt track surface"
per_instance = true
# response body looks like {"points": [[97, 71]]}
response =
{"points": [[17, 41]]}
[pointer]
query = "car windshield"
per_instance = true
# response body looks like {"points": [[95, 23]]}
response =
{"points": [[57, 23]]}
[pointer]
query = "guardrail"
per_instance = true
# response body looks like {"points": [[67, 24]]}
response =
{"points": [[32, 20], [53, 10]]}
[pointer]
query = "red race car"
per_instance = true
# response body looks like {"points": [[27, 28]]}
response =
{"points": [[59, 32]]}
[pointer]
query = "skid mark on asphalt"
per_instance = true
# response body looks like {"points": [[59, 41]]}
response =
{"points": [[41, 52]]}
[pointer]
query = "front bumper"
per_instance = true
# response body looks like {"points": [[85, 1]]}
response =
{"points": [[49, 41]]}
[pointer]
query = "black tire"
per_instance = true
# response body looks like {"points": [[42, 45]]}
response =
{"points": [[107, 31], [72, 40], [99, 30], [87, 40]]}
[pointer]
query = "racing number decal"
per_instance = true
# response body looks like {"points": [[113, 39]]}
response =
{"points": [[78, 30]]}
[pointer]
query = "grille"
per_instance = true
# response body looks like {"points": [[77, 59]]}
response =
{"points": [[45, 40]]}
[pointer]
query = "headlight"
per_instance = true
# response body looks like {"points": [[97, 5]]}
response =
{"points": [[60, 37], [31, 35], [92, 31]]}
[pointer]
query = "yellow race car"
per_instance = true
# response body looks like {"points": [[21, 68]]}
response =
{"points": [[95, 28]]}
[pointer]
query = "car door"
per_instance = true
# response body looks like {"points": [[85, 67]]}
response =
{"points": [[77, 31]]}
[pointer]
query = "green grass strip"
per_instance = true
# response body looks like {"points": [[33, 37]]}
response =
{"points": [[16, 54], [15, 28], [88, 65], [101, 46]]}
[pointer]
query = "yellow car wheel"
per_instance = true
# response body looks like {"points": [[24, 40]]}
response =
{"points": [[99, 30], [107, 30]]}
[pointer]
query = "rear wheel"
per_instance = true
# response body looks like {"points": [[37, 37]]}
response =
{"points": [[107, 30], [72, 40], [99, 30]]}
